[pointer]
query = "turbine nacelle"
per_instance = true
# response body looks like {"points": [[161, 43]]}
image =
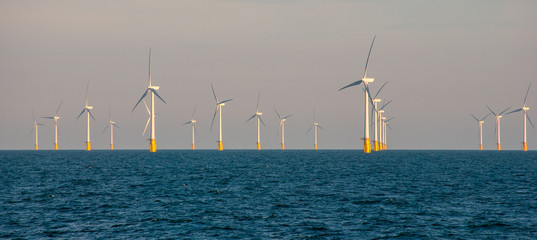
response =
{"points": [[56, 117], [88, 107], [376, 100], [367, 80], [154, 87], [193, 121], [381, 111], [258, 113], [525, 108]]}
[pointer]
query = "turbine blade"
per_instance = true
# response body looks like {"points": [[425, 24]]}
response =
{"points": [[225, 101], [386, 104], [379, 90], [309, 129], [277, 114], [214, 94], [113, 124], [526, 97], [260, 119], [149, 66], [258, 96], [33, 116], [389, 119], [287, 116], [155, 92], [87, 87], [80, 114], [147, 108], [474, 117], [504, 111], [189, 122], [388, 125], [352, 84], [212, 122], [369, 96], [31, 131], [491, 111], [514, 111], [529, 120], [143, 96], [319, 126], [48, 117], [369, 54], [149, 119], [253, 116], [91, 114], [196, 130], [55, 114], [106, 128], [194, 111], [485, 117]]}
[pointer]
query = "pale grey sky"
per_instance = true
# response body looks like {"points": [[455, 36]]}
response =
{"points": [[443, 60]]}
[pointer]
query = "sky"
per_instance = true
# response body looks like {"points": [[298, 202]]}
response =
{"points": [[443, 60]]}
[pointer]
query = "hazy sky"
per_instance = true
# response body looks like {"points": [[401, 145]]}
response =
{"points": [[443, 60]]}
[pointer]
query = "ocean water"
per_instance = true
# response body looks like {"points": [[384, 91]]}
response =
{"points": [[268, 194]]}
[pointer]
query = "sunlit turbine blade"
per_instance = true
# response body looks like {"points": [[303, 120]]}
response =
{"points": [[474, 117], [214, 94], [155, 92], [80, 114], [147, 124], [147, 108], [55, 114], [143, 96], [491, 111], [514, 111], [253, 116], [352, 84], [225, 101], [504, 111], [91, 114], [529, 120], [277, 114], [369, 54], [379, 90], [214, 116], [260, 119], [526, 97]]}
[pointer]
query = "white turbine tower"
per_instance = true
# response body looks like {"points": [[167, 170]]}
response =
{"points": [[282, 126], [153, 90], [87, 109], [525, 116], [375, 112], [480, 122], [497, 128], [366, 81], [194, 131], [259, 120], [219, 105], [36, 127], [385, 124], [111, 125], [55, 117], [314, 126]]}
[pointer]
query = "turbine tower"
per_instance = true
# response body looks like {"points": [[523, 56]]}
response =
{"points": [[259, 120], [314, 126], [36, 127], [194, 131], [153, 90], [366, 81], [480, 122], [111, 124], [55, 117], [385, 123], [87, 109], [219, 105], [381, 125], [282, 126], [375, 112], [497, 128], [525, 116]]}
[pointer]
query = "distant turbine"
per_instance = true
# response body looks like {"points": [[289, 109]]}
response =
{"points": [[258, 115], [87, 109], [55, 117], [380, 111], [36, 127], [375, 112], [194, 131], [153, 90], [111, 124], [480, 122], [385, 124], [525, 116], [315, 125], [365, 80], [497, 129], [219, 105], [282, 126]]}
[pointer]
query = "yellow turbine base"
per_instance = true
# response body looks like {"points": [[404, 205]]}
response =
{"points": [[220, 146], [480, 146], [524, 147], [315, 147], [88, 146], [36, 147], [55, 146], [376, 147], [499, 147], [111, 146], [193, 146], [152, 145], [283, 146], [367, 146], [385, 147], [381, 146], [258, 146]]}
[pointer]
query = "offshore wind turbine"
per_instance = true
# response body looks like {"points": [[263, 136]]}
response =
{"points": [[111, 124], [375, 112], [36, 127], [194, 131], [87, 109], [525, 116], [385, 124], [153, 90], [497, 128], [366, 81], [381, 125], [480, 122], [55, 117], [314, 126], [259, 120], [219, 105], [282, 126]]}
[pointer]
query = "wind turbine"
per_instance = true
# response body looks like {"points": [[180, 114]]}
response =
{"points": [[480, 122], [153, 90], [374, 112], [497, 129], [525, 116], [282, 126], [381, 125], [36, 127], [385, 124], [87, 109], [55, 117], [194, 131], [111, 124], [314, 126], [219, 105], [366, 81], [259, 120]]}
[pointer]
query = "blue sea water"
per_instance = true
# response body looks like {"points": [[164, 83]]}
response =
{"points": [[268, 194]]}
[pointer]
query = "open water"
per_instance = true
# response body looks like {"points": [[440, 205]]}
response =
{"points": [[268, 194]]}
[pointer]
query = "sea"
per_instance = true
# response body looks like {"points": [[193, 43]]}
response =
{"points": [[268, 194]]}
